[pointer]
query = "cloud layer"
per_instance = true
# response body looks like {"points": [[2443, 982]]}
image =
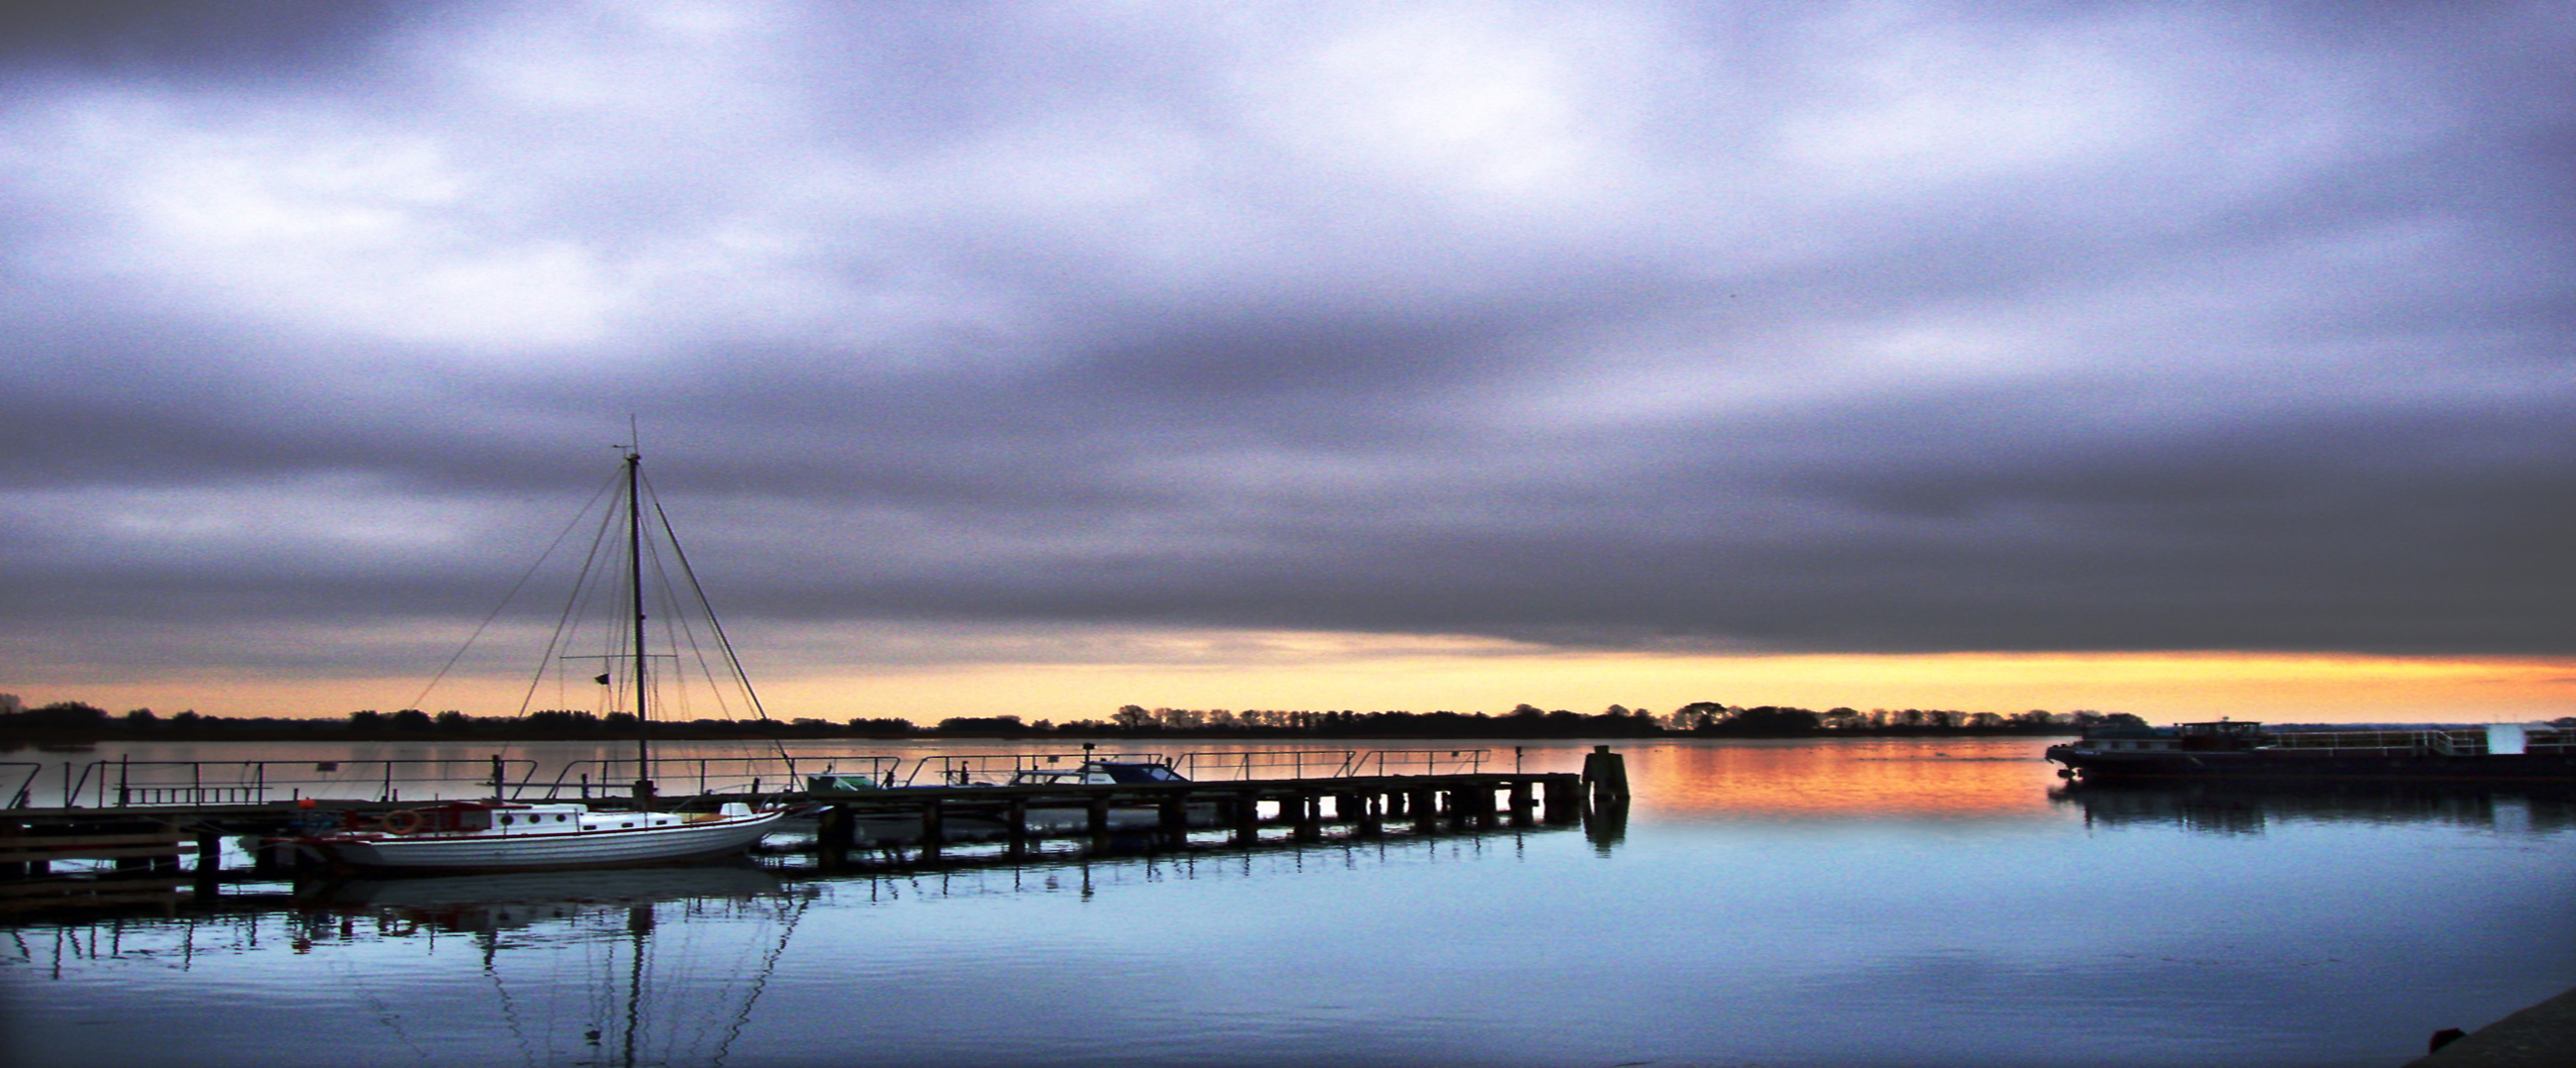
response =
{"points": [[1853, 328]]}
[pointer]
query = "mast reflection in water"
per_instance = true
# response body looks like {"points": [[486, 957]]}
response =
{"points": [[1846, 903], [614, 1007]]}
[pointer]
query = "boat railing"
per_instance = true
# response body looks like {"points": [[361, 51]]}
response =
{"points": [[26, 782], [125, 783], [615, 777], [2442, 741], [1266, 764]]}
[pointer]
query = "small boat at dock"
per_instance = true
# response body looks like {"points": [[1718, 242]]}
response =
{"points": [[1098, 773]]}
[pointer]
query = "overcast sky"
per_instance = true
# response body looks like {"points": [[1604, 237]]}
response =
{"points": [[1826, 328]]}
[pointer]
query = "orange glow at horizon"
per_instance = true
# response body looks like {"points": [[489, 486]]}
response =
{"points": [[1881, 778], [1377, 673]]}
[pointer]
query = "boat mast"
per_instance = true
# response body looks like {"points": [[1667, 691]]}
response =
{"points": [[635, 584]]}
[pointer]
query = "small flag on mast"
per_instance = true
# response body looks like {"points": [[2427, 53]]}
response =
{"points": [[600, 679]]}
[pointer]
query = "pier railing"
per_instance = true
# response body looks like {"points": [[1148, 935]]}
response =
{"points": [[1264, 764], [149, 783], [1327, 763], [1420, 762], [126, 783], [26, 782], [964, 769], [615, 778]]}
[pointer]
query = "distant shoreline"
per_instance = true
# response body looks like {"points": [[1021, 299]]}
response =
{"points": [[78, 723], [20, 739]]}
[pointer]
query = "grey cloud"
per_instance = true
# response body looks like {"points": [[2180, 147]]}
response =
{"points": [[1056, 314]]}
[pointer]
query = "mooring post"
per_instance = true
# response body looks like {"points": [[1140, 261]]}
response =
{"points": [[1564, 797], [834, 831], [210, 866], [1099, 819], [1017, 817], [1247, 817], [1425, 806], [1310, 811], [1607, 774], [1520, 803], [265, 857], [932, 830], [1371, 822], [1176, 817]]}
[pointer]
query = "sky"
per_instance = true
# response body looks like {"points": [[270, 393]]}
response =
{"points": [[2180, 359]]}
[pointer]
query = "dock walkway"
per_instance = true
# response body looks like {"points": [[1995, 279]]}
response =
{"points": [[146, 843]]}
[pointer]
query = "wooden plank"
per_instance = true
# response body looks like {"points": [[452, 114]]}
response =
{"points": [[24, 856], [43, 841]]}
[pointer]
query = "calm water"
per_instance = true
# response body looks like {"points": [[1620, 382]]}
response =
{"points": [[1778, 904]]}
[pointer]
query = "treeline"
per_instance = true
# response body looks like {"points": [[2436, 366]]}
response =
{"points": [[77, 721], [1699, 718]]}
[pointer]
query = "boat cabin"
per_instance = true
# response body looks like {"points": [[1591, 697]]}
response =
{"points": [[2224, 734], [831, 784], [1098, 773]]}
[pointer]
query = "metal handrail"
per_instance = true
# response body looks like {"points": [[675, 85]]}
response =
{"points": [[2435, 740], [963, 769], [1207, 767], [18, 799], [1431, 761], [128, 783], [713, 775]]}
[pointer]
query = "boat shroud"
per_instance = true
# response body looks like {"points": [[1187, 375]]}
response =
{"points": [[504, 835]]}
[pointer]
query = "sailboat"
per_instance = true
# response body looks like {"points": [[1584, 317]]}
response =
{"points": [[505, 835]]}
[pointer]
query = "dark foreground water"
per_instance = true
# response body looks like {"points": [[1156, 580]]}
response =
{"points": [[1778, 904]]}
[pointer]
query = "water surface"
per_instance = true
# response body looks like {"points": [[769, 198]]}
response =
{"points": [[1762, 903]]}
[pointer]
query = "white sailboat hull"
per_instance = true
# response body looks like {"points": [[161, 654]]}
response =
{"points": [[483, 851]]}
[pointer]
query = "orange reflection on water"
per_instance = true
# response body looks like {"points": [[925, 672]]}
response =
{"points": [[1863, 778]]}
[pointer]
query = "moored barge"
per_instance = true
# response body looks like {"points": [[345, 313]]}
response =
{"points": [[2229, 749]]}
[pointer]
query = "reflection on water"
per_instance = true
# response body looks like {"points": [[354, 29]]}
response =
{"points": [[1841, 903], [2242, 808], [1854, 778], [576, 963], [1605, 825]]}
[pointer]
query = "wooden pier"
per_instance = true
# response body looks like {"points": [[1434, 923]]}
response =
{"points": [[1168, 813], [146, 843]]}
